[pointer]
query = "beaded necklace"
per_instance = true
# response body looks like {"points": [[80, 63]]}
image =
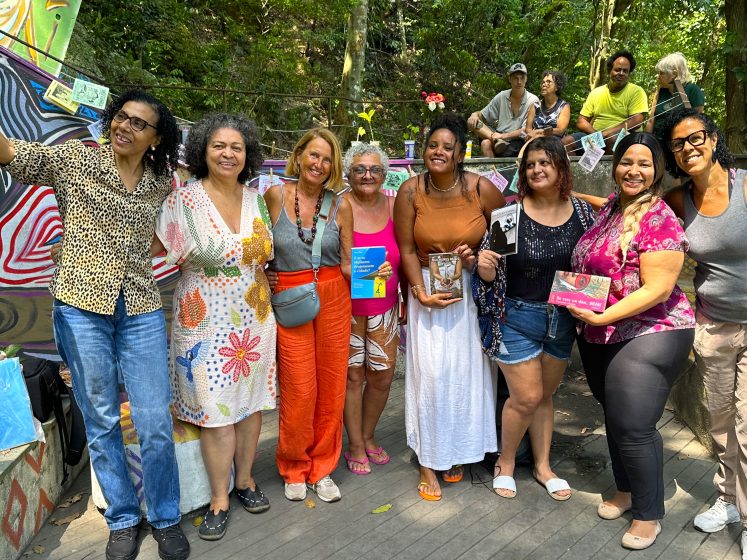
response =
{"points": [[314, 219]]}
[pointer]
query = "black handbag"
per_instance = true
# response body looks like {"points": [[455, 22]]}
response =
{"points": [[298, 305], [46, 387]]}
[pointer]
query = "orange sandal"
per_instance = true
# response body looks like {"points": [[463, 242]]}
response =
{"points": [[454, 474], [428, 497]]}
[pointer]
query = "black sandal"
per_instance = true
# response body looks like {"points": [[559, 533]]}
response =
{"points": [[254, 501], [213, 525]]}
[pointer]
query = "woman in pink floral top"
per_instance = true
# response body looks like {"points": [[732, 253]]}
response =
{"points": [[634, 351]]}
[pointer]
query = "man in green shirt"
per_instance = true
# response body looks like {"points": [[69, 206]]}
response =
{"points": [[609, 108]]}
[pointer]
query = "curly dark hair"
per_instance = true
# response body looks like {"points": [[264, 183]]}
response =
{"points": [[204, 129], [553, 147], [657, 153], [163, 159], [457, 125], [624, 54], [560, 80], [721, 153]]}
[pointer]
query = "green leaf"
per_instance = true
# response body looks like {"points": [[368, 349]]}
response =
{"points": [[235, 318], [224, 410], [382, 509]]}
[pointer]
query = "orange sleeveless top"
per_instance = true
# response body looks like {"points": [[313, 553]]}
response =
{"points": [[442, 225]]}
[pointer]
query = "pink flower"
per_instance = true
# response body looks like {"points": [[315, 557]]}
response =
{"points": [[433, 100], [241, 354]]}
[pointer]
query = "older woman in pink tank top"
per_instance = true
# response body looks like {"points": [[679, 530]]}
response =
{"points": [[374, 336]]}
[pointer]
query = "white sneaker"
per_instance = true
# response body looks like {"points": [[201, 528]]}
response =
{"points": [[295, 491], [717, 517], [744, 544], [326, 489]]}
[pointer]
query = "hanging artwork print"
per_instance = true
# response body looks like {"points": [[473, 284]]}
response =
{"points": [[44, 24]]}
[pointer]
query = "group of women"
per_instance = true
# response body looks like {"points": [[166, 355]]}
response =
{"points": [[337, 369]]}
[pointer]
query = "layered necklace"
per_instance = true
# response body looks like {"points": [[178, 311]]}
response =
{"points": [[314, 219], [439, 189]]}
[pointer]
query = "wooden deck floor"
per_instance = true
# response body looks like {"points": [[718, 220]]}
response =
{"points": [[470, 522]]}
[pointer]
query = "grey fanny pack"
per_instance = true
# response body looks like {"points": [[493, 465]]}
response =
{"points": [[298, 305]]}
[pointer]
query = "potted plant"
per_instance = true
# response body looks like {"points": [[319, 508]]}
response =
{"points": [[411, 133]]}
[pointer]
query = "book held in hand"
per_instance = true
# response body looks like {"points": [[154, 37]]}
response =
{"points": [[504, 229], [364, 278], [581, 290], [446, 274]]}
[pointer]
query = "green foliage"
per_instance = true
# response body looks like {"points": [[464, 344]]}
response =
{"points": [[278, 49]]}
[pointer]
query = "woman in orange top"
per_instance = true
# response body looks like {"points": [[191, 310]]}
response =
{"points": [[449, 393]]}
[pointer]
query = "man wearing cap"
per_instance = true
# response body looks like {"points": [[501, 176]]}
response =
{"points": [[501, 123], [609, 108]]}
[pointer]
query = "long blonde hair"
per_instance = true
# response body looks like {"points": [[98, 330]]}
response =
{"points": [[637, 208]]}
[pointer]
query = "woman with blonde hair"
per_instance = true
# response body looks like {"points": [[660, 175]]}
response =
{"points": [[634, 351], [312, 357], [666, 98]]}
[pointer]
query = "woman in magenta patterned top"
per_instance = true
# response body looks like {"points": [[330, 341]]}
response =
{"points": [[634, 351], [374, 335]]}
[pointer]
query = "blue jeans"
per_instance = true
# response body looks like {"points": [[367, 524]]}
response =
{"points": [[96, 347], [532, 328]]}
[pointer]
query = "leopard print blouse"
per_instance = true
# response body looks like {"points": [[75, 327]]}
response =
{"points": [[108, 230]]}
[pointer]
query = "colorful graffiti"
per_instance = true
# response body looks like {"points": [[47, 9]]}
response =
{"points": [[44, 24]]}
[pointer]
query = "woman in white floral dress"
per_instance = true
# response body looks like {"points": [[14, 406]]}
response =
{"points": [[223, 333]]}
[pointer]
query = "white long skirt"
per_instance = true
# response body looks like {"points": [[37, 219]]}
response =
{"points": [[450, 386]]}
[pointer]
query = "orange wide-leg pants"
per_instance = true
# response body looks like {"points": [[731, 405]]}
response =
{"points": [[312, 375]]}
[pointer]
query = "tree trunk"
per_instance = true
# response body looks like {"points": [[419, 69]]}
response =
{"points": [[402, 31], [736, 76], [608, 11], [351, 85]]}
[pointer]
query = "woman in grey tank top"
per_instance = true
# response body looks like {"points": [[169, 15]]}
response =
{"points": [[713, 205], [312, 358]]}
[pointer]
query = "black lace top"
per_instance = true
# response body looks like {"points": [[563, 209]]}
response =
{"points": [[542, 250]]}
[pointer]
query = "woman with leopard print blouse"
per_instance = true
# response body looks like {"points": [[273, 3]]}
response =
{"points": [[107, 310]]}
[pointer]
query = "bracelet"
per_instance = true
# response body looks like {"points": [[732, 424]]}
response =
{"points": [[415, 289]]}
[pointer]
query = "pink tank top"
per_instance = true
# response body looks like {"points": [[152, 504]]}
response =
{"points": [[383, 238]]}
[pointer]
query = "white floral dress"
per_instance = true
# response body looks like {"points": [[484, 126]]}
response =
{"points": [[223, 331]]}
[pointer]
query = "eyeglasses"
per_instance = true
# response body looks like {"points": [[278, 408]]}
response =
{"points": [[136, 123], [360, 171], [695, 139]]}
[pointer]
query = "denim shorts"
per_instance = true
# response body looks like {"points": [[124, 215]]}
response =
{"points": [[532, 328]]}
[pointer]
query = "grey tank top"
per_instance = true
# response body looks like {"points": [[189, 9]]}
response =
{"points": [[292, 254], [718, 244]]}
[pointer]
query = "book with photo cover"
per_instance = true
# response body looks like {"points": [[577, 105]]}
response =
{"points": [[365, 281], [581, 290], [504, 229], [446, 274]]}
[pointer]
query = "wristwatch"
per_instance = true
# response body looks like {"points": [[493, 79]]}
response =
{"points": [[479, 125]]}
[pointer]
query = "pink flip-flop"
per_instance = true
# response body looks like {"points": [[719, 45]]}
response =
{"points": [[375, 454], [349, 459]]}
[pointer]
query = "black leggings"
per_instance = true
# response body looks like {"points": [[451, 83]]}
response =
{"points": [[632, 380]]}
